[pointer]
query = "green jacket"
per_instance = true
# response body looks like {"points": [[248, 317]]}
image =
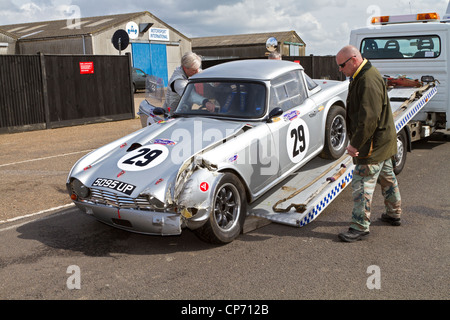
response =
{"points": [[370, 123]]}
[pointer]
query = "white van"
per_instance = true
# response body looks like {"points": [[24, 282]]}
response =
{"points": [[413, 46]]}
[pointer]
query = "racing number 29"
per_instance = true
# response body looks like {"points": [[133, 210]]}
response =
{"points": [[148, 156], [299, 140]]}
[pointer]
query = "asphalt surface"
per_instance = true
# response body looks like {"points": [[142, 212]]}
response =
{"points": [[44, 237]]}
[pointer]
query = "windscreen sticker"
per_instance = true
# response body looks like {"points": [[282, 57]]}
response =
{"points": [[297, 140], [143, 158]]}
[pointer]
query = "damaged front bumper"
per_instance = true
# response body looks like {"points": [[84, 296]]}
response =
{"points": [[139, 221]]}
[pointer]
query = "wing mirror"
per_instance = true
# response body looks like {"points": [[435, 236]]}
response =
{"points": [[158, 111], [276, 112]]}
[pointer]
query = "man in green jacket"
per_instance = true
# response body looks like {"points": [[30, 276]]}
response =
{"points": [[373, 143]]}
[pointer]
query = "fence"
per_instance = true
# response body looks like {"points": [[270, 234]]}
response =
{"points": [[317, 67], [47, 91]]}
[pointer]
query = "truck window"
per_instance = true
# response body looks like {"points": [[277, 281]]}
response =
{"points": [[411, 47]]}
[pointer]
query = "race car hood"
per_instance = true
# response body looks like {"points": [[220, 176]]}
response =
{"points": [[149, 160]]}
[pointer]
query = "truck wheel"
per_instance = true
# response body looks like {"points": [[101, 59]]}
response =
{"points": [[228, 212], [400, 157], [336, 138]]}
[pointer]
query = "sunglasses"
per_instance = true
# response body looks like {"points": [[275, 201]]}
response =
{"points": [[342, 65]]}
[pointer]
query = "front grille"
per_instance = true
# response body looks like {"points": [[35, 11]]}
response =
{"points": [[109, 198]]}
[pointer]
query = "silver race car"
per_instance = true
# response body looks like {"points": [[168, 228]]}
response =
{"points": [[240, 128]]}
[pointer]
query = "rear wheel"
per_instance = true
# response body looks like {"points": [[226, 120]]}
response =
{"points": [[400, 157], [228, 212], [335, 134]]}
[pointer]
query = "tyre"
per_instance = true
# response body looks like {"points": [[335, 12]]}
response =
{"points": [[228, 212], [336, 138], [400, 157]]}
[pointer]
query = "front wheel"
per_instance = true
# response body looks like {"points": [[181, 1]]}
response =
{"points": [[336, 138], [228, 212]]}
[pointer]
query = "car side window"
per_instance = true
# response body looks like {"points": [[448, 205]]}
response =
{"points": [[140, 72], [287, 91]]}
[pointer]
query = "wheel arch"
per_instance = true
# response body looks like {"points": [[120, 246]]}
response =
{"points": [[248, 194]]}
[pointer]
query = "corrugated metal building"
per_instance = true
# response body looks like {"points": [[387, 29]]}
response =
{"points": [[155, 46], [247, 45], [7, 43]]}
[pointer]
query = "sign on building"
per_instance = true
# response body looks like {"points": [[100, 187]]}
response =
{"points": [[159, 34], [132, 30]]}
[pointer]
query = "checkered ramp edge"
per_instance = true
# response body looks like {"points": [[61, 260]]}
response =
{"points": [[411, 113], [326, 200]]}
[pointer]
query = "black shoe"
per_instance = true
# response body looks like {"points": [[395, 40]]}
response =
{"points": [[353, 235], [390, 220]]}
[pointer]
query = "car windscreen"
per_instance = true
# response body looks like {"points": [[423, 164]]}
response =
{"points": [[411, 47], [224, 99]]}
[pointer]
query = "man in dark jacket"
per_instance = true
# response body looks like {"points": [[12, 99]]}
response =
{"points": [[373, 143]]}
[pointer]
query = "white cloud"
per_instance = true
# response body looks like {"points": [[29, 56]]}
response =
{"points": [[22, 11], [323, 24]]}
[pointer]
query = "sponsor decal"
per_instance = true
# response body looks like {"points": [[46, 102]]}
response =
{"points": [[233, 158], [165, 121], [115, 185], [164, 142], [204, 186], [291, 115]]}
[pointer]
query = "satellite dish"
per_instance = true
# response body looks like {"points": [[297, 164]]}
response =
{"points": [[120, 40], [272, 44]]}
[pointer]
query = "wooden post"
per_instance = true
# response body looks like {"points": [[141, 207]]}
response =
{"points": [[45, 91]]}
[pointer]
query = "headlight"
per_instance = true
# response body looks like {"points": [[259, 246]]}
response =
{"points": [[80, 189]]}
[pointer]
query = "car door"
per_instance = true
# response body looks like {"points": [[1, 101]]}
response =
{"points": [[139, 78], [296, 129]]}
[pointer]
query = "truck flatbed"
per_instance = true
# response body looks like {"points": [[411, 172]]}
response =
{"points": [[301, 198]]}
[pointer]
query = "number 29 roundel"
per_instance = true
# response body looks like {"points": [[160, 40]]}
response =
{"points": [[143, 158], [297, 140]]}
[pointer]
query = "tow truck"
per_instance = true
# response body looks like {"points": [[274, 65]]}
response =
{"points": [[302, 198], [412, 53]]}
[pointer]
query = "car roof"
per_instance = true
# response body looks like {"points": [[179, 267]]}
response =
{"points": [[257, 69]]}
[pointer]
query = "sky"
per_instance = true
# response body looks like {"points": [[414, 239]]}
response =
{"points": [[324, 25]]}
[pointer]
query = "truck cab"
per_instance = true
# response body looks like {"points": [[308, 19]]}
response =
{"points": [[412, 46]]}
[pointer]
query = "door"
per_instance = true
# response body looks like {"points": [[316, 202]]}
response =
{"points": [[151, 58], [297, 130]]}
